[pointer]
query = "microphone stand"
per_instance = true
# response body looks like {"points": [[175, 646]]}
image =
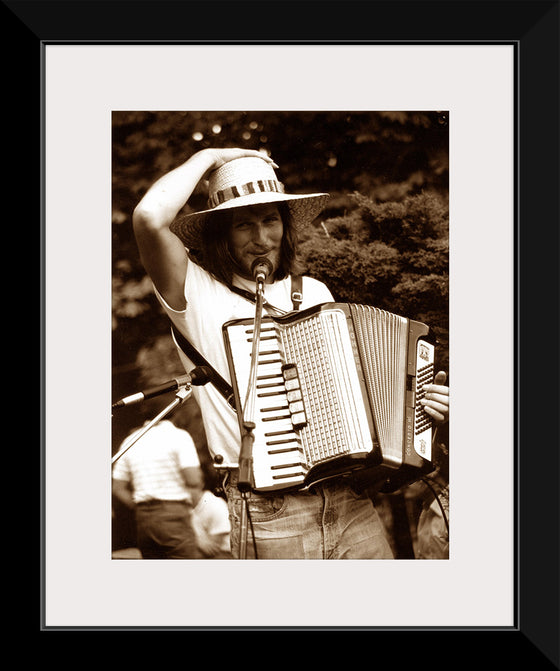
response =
{"points": [[245, 481], [181, 396]]}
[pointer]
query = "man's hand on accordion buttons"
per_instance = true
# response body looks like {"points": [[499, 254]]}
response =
{"points": [[436, 399]]}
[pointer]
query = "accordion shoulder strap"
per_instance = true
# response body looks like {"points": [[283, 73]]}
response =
{"points": [[296, 293], [196, 357]]}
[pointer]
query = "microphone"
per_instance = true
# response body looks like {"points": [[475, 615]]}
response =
{"points": [[261, 269], [198, 376]]}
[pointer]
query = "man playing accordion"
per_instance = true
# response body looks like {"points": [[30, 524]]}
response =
{"points": [[201, 264]]}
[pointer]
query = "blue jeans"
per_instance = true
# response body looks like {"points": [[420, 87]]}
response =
{"points": [[331, 521]]}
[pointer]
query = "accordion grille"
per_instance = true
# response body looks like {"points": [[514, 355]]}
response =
{"points": [[331, 384]]}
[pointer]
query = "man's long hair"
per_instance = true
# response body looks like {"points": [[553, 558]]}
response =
{"points": [[215, 256]]}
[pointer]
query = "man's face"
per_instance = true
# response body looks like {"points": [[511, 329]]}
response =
{"points": [[256, 231]]}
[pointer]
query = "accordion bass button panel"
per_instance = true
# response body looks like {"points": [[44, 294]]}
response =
{"points": [[422, 421]]}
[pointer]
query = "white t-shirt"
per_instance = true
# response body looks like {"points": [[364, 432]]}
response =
{"points": [[210, 518], [210, 304], [153, 464]]}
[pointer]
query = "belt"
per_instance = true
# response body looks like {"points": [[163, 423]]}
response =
{"points": [[151, 502]]}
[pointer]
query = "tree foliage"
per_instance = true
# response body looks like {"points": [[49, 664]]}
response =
{"points": [[391, 255]]}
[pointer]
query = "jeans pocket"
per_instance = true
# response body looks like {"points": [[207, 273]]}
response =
{"points": [[261, 508]]}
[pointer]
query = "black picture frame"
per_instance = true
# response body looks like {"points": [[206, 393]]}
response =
{"points": [[532, 27]]}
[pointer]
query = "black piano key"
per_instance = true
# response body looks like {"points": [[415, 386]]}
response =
{"points": [[285, 450], [272, 337], [269, 362], [282, 466], [284, 432], [299, 474], [285, 441], [278, 418]]}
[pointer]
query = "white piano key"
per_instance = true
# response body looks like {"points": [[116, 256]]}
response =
{"points": [[284, 424], [293, 460]]}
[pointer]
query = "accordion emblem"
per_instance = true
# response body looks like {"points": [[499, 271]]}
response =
{"points": [[338, 390]]}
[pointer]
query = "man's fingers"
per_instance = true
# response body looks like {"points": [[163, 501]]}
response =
{"points": [[441, 395], [437, 416]]}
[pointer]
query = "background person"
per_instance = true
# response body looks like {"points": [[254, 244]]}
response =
{"points": [[159, 477], [211, 525]]}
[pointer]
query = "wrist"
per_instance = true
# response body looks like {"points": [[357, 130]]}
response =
{"points": [[205, 161]]}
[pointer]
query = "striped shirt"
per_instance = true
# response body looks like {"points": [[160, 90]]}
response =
{"points": [[152, 466]]}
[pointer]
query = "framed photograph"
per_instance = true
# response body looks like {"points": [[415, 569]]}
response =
{"points": [[480, 66]]}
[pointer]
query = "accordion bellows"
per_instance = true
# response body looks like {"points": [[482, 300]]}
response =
{"points": [[338, 390]]}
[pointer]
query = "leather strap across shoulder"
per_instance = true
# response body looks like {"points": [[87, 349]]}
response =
{"points": [[297, 291], [196, 357]]}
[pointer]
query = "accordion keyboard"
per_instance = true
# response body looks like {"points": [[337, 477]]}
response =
{"points": [[335, 385], [278, 460]]}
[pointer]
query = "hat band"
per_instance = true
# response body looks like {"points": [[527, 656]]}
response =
{"points": [[260, 186]]}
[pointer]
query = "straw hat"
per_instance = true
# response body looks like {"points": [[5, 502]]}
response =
{"points": [[241, 182]]}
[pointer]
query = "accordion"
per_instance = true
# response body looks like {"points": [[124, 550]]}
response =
{"points": [[338, 390]]}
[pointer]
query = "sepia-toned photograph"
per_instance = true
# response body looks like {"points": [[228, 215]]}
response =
{"points": [[280, 335]]}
